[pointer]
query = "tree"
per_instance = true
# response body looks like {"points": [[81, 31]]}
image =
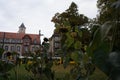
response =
{"points": [[109, 12], [41, 64], [106, 11], [1, 52], [71, 17], [104, 47], [73, 37]]}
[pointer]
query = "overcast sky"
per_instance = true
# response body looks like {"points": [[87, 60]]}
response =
{"points": [[37, 14]]}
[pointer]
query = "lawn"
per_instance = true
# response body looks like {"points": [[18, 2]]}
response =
{"points": [[19, 73], [60, 73]]}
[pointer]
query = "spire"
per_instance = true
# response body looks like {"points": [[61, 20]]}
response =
{"points": [[22, 28]]}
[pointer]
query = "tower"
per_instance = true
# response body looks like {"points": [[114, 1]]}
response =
{"points": [[22, 28]]}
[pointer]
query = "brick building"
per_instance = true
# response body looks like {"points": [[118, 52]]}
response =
{"points": [[20, 41]]}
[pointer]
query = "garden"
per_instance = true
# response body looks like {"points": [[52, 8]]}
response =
{"points": [[93, 44]]}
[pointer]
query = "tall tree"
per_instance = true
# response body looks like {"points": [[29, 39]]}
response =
{"points": [[73, 38], [104, 47], [71, 16], [109, 10]]}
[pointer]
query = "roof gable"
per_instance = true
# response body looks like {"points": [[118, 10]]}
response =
{"points": [[10, 35]]}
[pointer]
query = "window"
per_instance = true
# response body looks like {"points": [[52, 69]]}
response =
{"points": [[18, 48], [12, 48], [13, 41], [26, 40], [26, 48], [6, 48], [21, 41], [6, 40], [57, 38], [57, 45], [26, 43], [18, 41]]}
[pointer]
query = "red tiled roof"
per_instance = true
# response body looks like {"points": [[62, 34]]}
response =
{"points": [[11, 35]]}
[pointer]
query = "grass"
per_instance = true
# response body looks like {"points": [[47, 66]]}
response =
{"points": [[22, 74], [61, 73], [19, 73], [98, 75]]}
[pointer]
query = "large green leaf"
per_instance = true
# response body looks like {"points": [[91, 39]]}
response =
{"points": [[114, 65], [116, 5], [105, 28], [95, 43], [100, 57]]}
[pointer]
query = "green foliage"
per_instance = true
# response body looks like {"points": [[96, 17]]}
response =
{"points": [[77, 56], [77, 45], [69, 41], [21, 73], [107, 13], [1, 52], [41, 64], [66, 60], [40, 67], [70, 17], [105, 39], [94, 43], [105, 29], [5, 66], [99, 48], [74, 39], [110, 15]]}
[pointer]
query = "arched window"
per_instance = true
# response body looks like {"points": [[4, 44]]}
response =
{"points": [[18, 48], [6, 48], [12, 48]]}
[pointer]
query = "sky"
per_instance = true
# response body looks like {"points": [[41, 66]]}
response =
{"points": [[37, 14]]}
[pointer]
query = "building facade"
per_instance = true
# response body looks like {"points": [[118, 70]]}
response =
{"points": [[55, 44], [19, 42]]}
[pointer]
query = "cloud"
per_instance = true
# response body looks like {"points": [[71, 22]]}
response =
{"points": [[37, 14]]}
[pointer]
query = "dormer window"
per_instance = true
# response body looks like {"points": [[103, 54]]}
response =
{"points": [[26, 40]]}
